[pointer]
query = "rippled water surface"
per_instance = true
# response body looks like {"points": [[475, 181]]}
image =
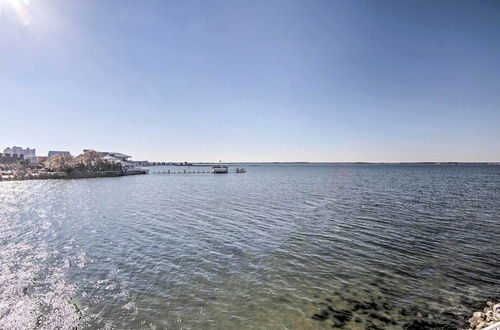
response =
{"points": [[282, 246]]}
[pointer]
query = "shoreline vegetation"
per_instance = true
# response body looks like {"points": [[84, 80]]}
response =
{"points": [[87, 165]]}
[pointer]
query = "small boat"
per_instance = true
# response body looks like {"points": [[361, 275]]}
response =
{"points": [[241, 170], [220, 168]]}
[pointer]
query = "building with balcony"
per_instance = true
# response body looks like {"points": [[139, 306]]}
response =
{"points": [[28, 154], [10, 158]]}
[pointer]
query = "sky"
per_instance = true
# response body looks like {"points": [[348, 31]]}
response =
{"points": [[271, 80]]}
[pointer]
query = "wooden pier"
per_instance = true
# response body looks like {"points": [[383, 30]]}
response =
{"points": [[179, 172]]}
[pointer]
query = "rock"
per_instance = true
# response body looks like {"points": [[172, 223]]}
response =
{"points": [[480, 320], [478, 315], [475, 320]]}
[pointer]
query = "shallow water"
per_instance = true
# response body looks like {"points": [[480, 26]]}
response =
{"points": [[282, 246]]}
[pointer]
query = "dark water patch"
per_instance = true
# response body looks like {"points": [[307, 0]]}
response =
{"points": [[404, 312], [428, 324], [283, 299], [381, 318], [378, 313], [341, 316], [322, 316], [371, 326]]}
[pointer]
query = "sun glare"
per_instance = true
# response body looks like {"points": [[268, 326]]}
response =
{"points": [[17, 8]]}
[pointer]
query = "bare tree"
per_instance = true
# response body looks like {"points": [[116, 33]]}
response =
{"points": [[91, 161], [59, 163]]}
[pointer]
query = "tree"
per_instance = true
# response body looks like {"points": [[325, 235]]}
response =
{"points": [[59, 163], [91, 161]]}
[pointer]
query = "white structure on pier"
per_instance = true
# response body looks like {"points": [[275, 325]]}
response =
{"points": [[220, 168]]}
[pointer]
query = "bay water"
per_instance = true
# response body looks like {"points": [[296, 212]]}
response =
{"points": [[297, 246]]}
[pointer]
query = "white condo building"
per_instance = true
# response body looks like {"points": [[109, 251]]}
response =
{"points": [[29, 154]]}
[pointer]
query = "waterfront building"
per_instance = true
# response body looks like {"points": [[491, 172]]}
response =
{"points": [[10, 158], [28, 154], [120, 156], [55, 153], [123, 161], [116, 157], [129, 166]]}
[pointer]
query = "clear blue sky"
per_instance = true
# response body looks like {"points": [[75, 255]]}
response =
{"points": [[253, 80]]}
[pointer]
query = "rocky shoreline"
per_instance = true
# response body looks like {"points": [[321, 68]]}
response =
{"points": [[63, 175], [374, 312], [489, 318]]}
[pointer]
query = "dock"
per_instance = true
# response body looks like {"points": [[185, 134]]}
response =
{"points": [[179, 172]]}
